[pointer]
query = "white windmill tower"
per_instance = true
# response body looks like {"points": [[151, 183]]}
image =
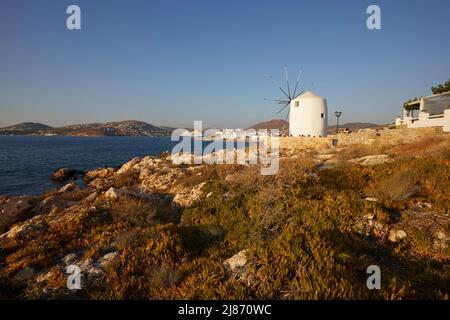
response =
{"points": [[307, 113]]}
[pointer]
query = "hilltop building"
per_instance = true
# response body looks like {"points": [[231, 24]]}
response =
{"points": [[433, 111]]}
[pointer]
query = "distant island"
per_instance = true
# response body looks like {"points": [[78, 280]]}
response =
{"points": [[121, 128], [134, 128]]}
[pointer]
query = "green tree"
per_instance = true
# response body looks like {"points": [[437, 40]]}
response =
{"points": [[441, 88]]}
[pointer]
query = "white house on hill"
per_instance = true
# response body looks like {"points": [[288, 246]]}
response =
{"points": [[434, 111]]}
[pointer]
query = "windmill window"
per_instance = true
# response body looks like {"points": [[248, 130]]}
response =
{"points": [[297, 103], [321, 115]]}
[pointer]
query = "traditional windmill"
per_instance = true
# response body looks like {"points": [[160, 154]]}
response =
{"points": [[307, 112]]}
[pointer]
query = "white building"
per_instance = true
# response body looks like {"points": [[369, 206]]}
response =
{"points": [[308, 116], [434, 111]]}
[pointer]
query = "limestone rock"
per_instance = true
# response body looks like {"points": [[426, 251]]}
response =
{"points": [[396, 235], [63, 174], [115, 194], [35, 224], [68, 188], [236, 262], [14, 209], [91, 197], [69, 259], [108, 259], [187, 197], [129, 165], [101, 173], [238, 267]]}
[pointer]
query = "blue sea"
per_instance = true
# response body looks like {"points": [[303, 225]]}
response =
{"points": [[26, 162]]}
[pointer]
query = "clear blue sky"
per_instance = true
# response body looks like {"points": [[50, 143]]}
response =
{"points": [[171, 62]]}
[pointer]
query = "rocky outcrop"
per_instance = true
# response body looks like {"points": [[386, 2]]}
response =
{"points": [[63, 174], [14, 209], [187, 197], [68, 188], [101, 173], [35, 224]]}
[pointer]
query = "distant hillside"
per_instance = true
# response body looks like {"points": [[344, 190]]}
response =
{"points": [[281, 124], [25, 128], [171, 129], [120, 128], [353, 126], [272, 124]]}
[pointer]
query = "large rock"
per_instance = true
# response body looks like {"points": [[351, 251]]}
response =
{"points": [[396, 235], [63, 174], [236, 262], [129, 165], [101, 173], [441, 240], [14, 209], [115, 194], [68, 188], [186, 197], [238, 267], [35, 224], [109, 259]]}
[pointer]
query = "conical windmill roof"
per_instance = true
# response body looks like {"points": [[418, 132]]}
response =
{"points": [[308, 95]]}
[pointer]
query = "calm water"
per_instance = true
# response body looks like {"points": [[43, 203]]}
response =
{"points": [[26, 163]]}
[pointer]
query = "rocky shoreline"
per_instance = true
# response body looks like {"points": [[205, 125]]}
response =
{"points": [[150, 218], [149, 179]]}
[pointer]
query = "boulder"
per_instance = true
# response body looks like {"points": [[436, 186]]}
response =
{"points": [[186, 197], [35, 224], [91, 197], [441, 241], [14, 209], [69, 259], [63, 174], [129, 165], [238, 267], [115, 194], [236, 262], [101, 173], [109, 259], [68, 188], [396, 235]]}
